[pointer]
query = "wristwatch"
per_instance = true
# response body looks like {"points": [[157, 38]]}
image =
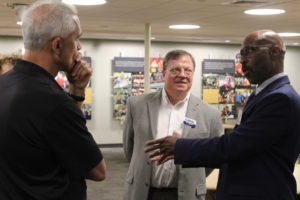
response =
{"points": [[77, 98]]}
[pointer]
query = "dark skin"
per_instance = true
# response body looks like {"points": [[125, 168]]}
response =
{"points": [[263, 62]]}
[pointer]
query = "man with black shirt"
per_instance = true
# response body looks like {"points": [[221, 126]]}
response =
{"points": [[46, 151]]}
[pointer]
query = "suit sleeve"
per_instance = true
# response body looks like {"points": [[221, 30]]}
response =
{"points": [[128, 133], [267, 124]]}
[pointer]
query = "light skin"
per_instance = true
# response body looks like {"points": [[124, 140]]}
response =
{"points": [[177, 86], [261, 64], [62, 54], [5, 67]]}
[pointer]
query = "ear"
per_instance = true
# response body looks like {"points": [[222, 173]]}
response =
{"points": [[275, 51], [56, 45], [164, 73]]}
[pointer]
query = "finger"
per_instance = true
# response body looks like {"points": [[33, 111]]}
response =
{"points": [[156, 158], [176, 134], [75, 69], [162, 160], [156, 141], [151, 148], [154, 154], [78, 57]]}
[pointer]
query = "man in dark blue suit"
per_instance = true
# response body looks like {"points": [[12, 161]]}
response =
{"points": [[257, 159]]}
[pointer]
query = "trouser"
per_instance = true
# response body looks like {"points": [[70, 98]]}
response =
{"points": [[163, 194]]}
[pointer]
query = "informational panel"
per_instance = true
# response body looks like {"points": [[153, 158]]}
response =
{"points": [[128, 80], [224, 84]]}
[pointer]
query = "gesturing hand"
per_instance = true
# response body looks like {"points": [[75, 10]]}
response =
{"points": [[162, 149]]}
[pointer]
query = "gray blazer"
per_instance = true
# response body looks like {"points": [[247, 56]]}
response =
{"points": [[141, 125]]}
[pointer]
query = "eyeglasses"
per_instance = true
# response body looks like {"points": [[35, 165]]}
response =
{"points": [[176, 71], [247, 50]]}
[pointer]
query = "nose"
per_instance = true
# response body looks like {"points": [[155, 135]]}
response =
{"points": [[79, 46], [182, 73]]}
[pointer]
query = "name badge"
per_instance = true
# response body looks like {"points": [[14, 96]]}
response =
{"points": [[190, 122]]}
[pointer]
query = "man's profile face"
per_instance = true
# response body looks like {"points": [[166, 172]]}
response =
{"points": [[257, 64], [178, 75], [71, 48]]}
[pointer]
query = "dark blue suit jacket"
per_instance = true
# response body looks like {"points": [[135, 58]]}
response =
{"points": [[257, 159]]}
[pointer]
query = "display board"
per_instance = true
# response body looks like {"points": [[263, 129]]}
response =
{"points": [[224, 86], [128, 80]]}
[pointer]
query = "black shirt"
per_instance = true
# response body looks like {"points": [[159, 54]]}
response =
{"points": [[44, 142]]}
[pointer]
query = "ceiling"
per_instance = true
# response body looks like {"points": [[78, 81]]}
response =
{"points": [[220, 20]]}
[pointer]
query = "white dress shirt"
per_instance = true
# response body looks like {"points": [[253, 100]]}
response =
{"points": [[170, 118]]}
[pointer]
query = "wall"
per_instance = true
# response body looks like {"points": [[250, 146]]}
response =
{"points": [[108, 131]]}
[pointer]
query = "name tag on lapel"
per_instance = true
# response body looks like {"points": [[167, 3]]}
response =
{"points": [[190, 122]]}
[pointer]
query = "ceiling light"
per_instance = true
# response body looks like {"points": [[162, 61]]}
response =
{"points": [[227, 41], [184, 26], [85, 2], [289, 34], [19, 23], [264, 12]]}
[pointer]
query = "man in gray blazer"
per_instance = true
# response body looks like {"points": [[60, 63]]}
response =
{"points": [[158, 114]]}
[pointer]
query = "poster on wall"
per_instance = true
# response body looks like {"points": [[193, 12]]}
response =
{"points": [[232, 86], [128, 80], [122, 80], [156, 75]]}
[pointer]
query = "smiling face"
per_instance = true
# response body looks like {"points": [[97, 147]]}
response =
{"points": [[178, 76]]}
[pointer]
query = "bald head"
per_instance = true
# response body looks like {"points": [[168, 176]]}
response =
{"points": [[263, 37], [262, 55]]}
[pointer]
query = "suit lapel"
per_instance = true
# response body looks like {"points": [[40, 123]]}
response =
{"points": [[274, 85], [153, 107], [190, 113]]}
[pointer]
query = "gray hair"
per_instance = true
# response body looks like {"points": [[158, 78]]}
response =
{"points": [[173, 55], [46, 19]]}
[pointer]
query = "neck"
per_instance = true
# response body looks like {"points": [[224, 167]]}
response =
{"points": [[43, 59], [174, 99]]}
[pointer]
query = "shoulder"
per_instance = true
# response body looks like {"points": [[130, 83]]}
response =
{"points": [[142, 99], [201, 105]]}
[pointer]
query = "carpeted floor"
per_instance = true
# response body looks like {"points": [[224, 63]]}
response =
{"points": [[112, 187]]}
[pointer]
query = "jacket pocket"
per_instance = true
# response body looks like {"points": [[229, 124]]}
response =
{"points": [[201, 189]]}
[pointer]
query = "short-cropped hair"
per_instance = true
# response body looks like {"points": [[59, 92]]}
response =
{"points": [[174, 54], [46, 19]]}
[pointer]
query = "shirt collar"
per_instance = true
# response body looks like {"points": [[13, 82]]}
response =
{"points": [[165, 98], [268, 82]]}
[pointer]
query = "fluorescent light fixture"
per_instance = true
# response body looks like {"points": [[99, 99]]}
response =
{"points": [[227, 41], [184, 26], [264, 12], [85, 2], [19, 23], [289, 34]]}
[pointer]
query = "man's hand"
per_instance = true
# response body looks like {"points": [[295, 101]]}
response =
{"points": [[163, 148], [80, 75]]}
